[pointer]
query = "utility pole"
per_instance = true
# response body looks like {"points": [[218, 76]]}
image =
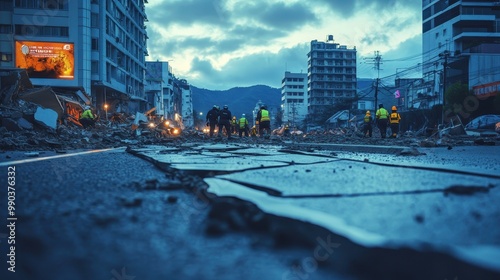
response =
{"points": [[444, 55], [376, 61]]}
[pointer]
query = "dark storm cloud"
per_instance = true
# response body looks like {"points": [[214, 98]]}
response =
{"points": [[348, 8], [273, 16], [187, 12], [262, 68], [278, 15], [373, 39]]}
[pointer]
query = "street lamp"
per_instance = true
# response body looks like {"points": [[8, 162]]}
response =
{"points": [[106, 109]]}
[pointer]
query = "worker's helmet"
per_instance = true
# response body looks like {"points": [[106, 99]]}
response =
{"points": [[243, 115], [225, 107], [394, 108], [368, 112], [215, 106], [87, 107]]}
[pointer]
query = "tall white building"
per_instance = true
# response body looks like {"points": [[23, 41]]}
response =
{"points": [[331, 74], [464, 36], [186, 110], [294, 98], [95, 46], [159, 86]]}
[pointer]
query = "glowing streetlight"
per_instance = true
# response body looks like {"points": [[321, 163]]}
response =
{"points": [[106, 108]]}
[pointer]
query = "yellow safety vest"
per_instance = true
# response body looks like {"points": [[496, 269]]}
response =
{"points": [[382, 113], [264, 115], [87, 114], [243, 122], [395, 117]]}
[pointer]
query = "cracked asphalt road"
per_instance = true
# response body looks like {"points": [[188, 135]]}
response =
{"points": [[112, 215]]}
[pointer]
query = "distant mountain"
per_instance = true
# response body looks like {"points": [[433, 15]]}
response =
{"points": [[239, 99]]}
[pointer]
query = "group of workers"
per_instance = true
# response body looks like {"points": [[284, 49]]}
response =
{"points": [[383, 120], [226, 121]]}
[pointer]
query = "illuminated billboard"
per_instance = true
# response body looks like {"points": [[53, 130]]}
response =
{"points": [[49, 60]]}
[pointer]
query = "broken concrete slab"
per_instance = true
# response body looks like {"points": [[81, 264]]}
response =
{"points": [[25, 124], [44, 97], [11, 124], [13, 81], [46, 117]]}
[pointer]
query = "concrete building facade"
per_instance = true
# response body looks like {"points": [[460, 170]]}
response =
{"points": [[294, 98], [461, 43], [98, 47], [331, 75]]}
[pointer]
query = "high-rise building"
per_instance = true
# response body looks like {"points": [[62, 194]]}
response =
{"points": [[461, 43], [294, 98], [331, 74], [95, 46]]}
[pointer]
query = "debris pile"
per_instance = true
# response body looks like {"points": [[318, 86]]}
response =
{"points": [[42, 119]]}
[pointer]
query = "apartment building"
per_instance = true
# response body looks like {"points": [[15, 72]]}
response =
{"points": [[98, 47], [294, 98], [331, 76], [461, 43], [172, 97]]}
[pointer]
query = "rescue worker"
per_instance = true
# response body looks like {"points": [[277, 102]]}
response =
{"points": [[286, 131], [225, 121], [394, 119], [87, 119], [234, 125], [264, 121], [212, 119], [382, 117], [243, 125], [367, 121]]}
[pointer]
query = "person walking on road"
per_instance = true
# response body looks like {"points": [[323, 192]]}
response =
{"points": [[212, 119], [367, 128], [264, 121], [394, 119], [243, 125], [87, 119], [382, 117], [225, 121]]}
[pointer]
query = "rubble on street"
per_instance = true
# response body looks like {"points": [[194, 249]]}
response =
{"points": [[41, 119]]}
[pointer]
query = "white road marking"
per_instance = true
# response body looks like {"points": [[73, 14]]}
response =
{"points": [[17, 162]]}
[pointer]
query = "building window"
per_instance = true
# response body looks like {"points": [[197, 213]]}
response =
{"points": [[6, 5], [95, 67], [437, 34], [32, 30], [42, 4], [5, 29], [444, 32], [95, 44], [5, 57], [94, 20]]}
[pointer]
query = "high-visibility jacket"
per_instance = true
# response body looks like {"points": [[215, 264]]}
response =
{"points": [[264, 115], [243, 122], [367, 118], [395, 117], [87, 114], [382, 114]]}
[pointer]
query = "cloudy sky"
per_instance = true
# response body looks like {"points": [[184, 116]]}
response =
{"points": [[220, 44]]}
